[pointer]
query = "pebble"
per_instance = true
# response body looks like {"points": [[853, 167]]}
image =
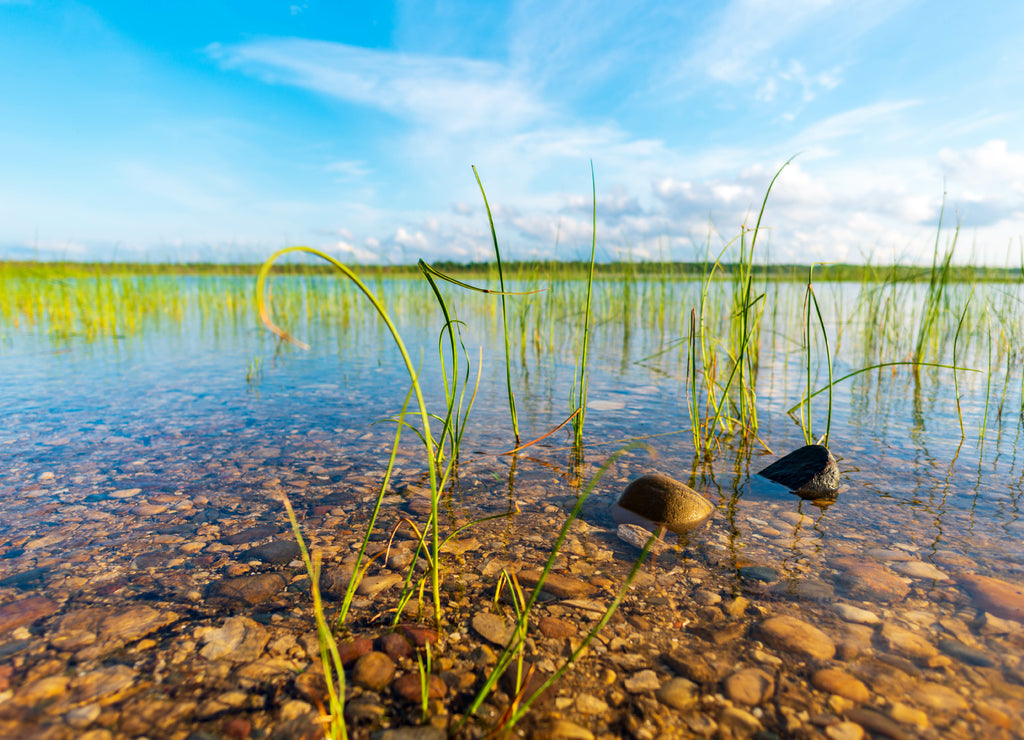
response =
{"points": [[555, 628], [844, 731], [856, 615], [749, 686], [872, 582], [964, 653], [841, 683], [413, 733], [240, 640], [907, 643], [1003, 599], [759, 573], [105, 686], [276, 552], [796, 636], [920, 569], [493, 628], [562, 729], [878, 723], [251, 534], [678, 693], [373, 671], [564, 587], [249, 590], [590, 704], [642, 681], [637, 536], [373, 585], [410, 688], [24, 612]]}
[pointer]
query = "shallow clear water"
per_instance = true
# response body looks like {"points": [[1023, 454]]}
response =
{"points": [[186, 407]]}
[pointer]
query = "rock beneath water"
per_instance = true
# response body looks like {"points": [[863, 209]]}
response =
{"points": [[796, 636], [637, 536], [998, 597], [810, 472], [658, 500]]}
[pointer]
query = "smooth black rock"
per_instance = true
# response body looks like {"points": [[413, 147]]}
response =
{"points": [[759, 573], [964, 653], [810, 472]]}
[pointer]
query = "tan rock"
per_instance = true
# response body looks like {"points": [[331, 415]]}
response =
{"points": [[796, 636], [836, 681], [750, 686]]}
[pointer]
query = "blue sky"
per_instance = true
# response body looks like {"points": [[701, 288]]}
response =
{"points": [[224, 130]]}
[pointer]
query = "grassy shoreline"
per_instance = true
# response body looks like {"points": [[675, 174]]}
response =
{"points": [[570, 270]]}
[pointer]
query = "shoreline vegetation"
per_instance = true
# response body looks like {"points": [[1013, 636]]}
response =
{"points": [[524, 270]]}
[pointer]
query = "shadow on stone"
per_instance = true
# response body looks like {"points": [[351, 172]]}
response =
{"points": [[810, 472]]}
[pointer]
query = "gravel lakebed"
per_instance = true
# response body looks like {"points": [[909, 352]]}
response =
{"points": [[167, 600]]}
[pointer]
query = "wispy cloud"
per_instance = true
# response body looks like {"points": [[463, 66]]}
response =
{"points": [[446, 94]]}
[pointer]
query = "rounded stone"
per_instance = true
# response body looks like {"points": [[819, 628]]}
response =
{"points": [[841, 683], [373, 671], [678, 693], [749, 686], [410, 687], [795, 636], [658, 499]]}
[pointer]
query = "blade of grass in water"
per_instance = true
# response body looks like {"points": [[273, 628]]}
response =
{"points": [[504, 313]]}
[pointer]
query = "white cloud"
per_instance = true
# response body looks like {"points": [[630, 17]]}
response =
{"points": [[446, 94]]}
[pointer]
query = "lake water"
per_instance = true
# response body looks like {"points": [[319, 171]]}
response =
{"points": [[130, 458]]}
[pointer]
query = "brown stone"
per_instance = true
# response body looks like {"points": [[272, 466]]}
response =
{"points": [[795, 636], [410, 688], [373, 671], [1003, 599], [563, 587], [749, 686], [841, 683], [872, 582], [250, 590], [25, 611], [555, 628]]}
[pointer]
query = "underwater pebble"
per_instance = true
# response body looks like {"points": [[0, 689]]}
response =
{"points": [[856, 614], [919, 569], [796, 636]]}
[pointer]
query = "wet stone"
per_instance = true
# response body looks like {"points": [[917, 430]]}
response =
{"points": [[759, 573], [249, 590], [493, 628], [809, 471], [878, 723], [26, 579], [841, 683], [750, 686], [638, 536], [993, 595], [564, 587], [908, 643], [872, 582], [919, 569], [373, 671], [964, 653], [26, 611], [276, 552], [658, 499], [251, 534], [240, 640], [796, 636], [553, 627], [409, 687], [856, 615], [678, 693], [642, 681]]}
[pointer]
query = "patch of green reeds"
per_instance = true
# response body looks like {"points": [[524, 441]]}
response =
{"points": [[729, 405], [936, 296]]}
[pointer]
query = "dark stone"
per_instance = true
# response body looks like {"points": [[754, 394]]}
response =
{"points": [[878, 723], [249, 590], [24, 579], [251, 534], [13, 648], [277, 552], [811, 589], [759, 573], [810, 472], [964, 653]]}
